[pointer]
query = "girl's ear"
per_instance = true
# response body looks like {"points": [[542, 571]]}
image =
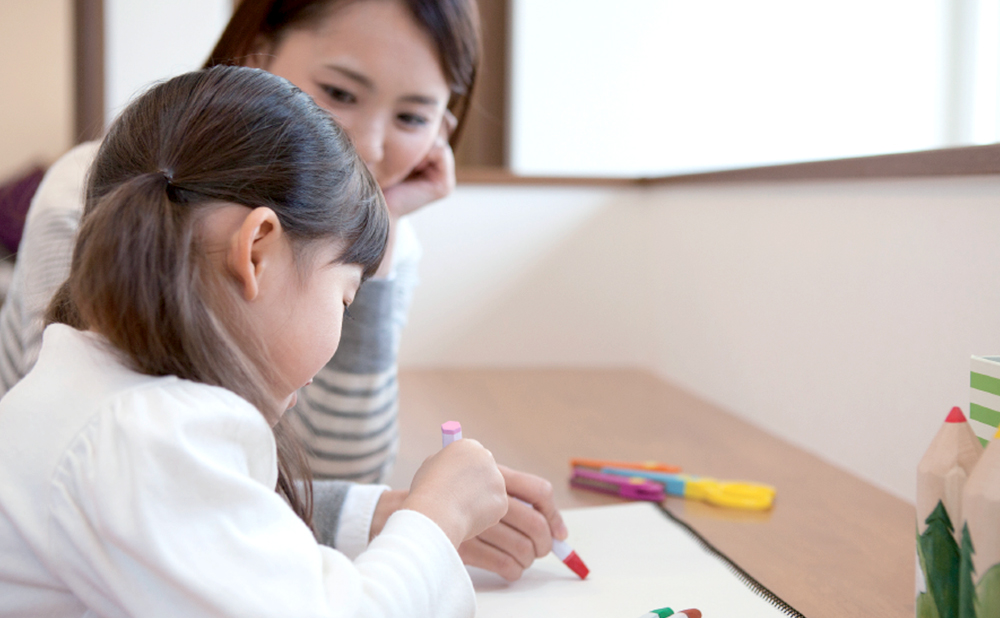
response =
{"points": [[252, 249]]}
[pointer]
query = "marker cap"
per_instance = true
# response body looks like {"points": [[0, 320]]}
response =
{"points": [[450, 431]]}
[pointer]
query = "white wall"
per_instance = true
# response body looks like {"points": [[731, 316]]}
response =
{"points": [[36, 83], [529, 275], [839, 315], [151, 40]]}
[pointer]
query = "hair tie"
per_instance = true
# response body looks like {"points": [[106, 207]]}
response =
{"points": [[171, 188]]}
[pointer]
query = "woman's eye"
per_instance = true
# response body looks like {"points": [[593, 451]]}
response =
{"points": [[339, 94], [413, 120]]}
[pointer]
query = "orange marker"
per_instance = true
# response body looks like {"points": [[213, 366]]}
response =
{"points": [[597, 464]]}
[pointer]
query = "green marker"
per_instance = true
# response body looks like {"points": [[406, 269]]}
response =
{"points": [[663, 612]]}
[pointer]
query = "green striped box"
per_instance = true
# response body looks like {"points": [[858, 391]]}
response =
{"points": [[984, 398]]}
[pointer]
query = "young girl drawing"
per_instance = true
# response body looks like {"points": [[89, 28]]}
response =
{"points": [[228, 224], [397, 75]]}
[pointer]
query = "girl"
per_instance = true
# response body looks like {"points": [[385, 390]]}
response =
{"points": [[392, 72], [227, 225]]}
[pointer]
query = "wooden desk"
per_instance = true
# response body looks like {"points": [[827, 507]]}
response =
{"points": [[832, 546]]}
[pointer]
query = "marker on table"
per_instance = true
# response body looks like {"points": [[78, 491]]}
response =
{"points": [[597, 464], [451, 431], [731, 494], [632, 488], [663, 612]]}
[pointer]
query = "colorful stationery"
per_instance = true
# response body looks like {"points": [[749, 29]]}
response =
{"points": [[643, 557], [729, 494], [663, 612], [631, 488], [984, 396], [597, 464]]}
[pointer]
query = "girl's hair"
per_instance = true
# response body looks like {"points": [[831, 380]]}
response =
{"points": [[453, 24], [140, 274]]}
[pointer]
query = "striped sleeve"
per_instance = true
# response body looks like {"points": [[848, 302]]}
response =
{"points": [[348, 417], [42, 266], [43, 262]]}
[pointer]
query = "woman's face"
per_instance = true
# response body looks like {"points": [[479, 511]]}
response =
{"points": [[373, 67]]}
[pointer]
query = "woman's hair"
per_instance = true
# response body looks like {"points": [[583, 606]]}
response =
{"points": [[140, 274], [452, 24]]}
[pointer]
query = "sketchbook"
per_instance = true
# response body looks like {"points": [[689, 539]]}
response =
{"points": [[640, 558]]}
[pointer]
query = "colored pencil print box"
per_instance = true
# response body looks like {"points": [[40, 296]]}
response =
{"points": [[984, 397]]}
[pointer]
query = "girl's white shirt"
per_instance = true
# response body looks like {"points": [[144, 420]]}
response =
{"points": [[123, 494]]}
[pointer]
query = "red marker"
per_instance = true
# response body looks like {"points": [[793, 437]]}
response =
{"points": [[564, 552], [451, 431]]}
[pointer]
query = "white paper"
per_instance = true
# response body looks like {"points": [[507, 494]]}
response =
{"points": [[639, 560]]}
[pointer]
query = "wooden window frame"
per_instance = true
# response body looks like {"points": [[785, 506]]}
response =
{"points": [[88, 61]]}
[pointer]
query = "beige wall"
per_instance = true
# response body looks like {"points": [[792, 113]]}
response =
{"points": [[515, 276], [839, 315], [36, 88]]}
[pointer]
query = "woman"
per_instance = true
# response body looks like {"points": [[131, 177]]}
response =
{"points": [[397, 75]]}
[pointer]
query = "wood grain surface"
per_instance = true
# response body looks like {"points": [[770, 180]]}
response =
{"points": [[832, 546]]}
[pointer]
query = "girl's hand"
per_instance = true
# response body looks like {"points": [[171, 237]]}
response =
{"points": [[524, 534], [432, 179], [460, 489]]}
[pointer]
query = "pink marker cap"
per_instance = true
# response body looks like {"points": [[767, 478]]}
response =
{"points": [[450, 431]]}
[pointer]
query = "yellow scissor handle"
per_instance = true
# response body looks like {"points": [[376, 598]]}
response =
{"points": [[731, 494]]}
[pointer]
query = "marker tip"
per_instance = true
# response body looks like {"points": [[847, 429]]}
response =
{"points": [[576, 565]]}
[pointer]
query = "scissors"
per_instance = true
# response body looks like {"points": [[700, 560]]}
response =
{"points": [[729, 494]]}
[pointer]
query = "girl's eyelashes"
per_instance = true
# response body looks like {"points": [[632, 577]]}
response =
{"points": [[347, 314], [338, 94]]}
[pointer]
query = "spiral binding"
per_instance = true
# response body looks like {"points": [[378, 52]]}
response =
{"points": [[747, 579]]}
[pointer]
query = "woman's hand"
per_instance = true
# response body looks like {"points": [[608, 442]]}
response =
{"points": [[512, 545], [525, 532], [432, 179]]}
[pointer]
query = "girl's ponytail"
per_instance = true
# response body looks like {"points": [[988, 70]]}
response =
{"points": [[134, 237], [126, 217]]}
